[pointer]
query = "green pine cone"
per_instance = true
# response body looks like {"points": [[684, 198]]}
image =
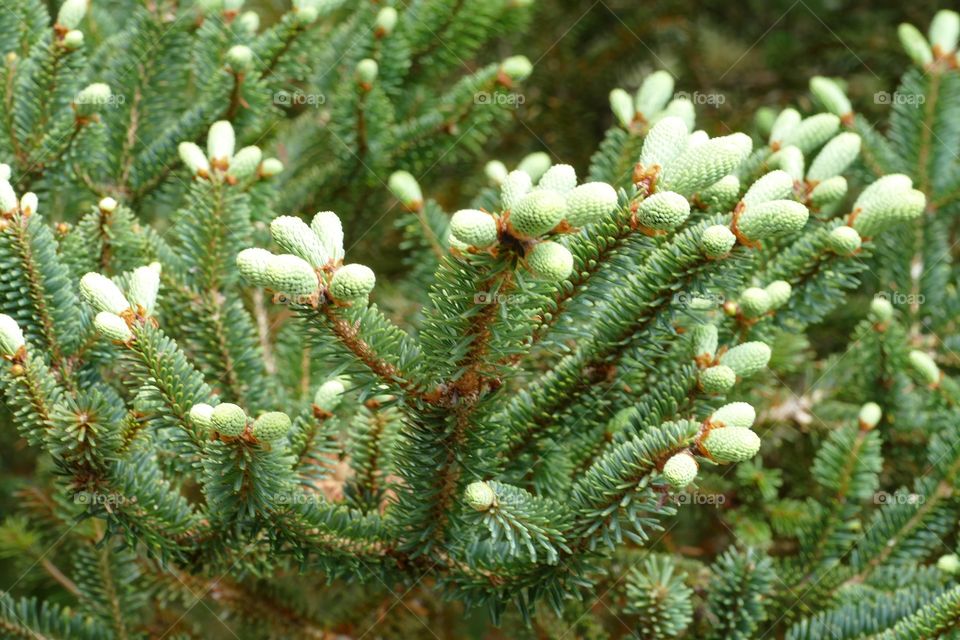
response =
{"points": [[812, 132], [386, 21], [291, 276], [221, 141], [496, 172], [201, 416], [885, 203], [71, 13], [721, 195], [551, 261], [776, 185], [327, 227], [680, 470], [294, 236], [246, 162], [517, 68], [271, 426], [785, 122], [769, 219], [779, 292], [731, 444], [925, 366], [789, 159], [869, 415], [252, 264], [944, 31], [479, 496], [11, 337], [881, 310], [560, 178], [112, 327], [717, 380], [228, 419], [270, 167], [102, 294], [844, 241], [705, 339], [367, 70], [828, 192], [700, 166], [663, 211], [747, 359], [352, 282], [194, 158], [754, 302], [329, 395], [621, 103], [8, 197], [589, 203], [734, 414], [830, 95], [91, 99], [515, 186], [717, 241], [654, 93], [664, 142], [679, 108], [537, 213], [474, 228], [915, 44], [949, 563], [144, 286], [240, 58], [835, 157], [405, 188], [535, 165]]}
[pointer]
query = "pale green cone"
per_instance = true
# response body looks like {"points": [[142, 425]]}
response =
{"points": [[776, 185], [654, 93], [252, 264], [717, 241], [717, 379], [791, 160], [680, 470], [73, 40], [665, 141], [246, 162], [754, 302], [193, 158], [92, 98], [517, 68], [228, 419], [915, 44], [535, 165], [551, 261], [924, 365], [622, 106], [496, 172], [721, 195], [11, 337], [291, 276], [8, 197], [144, 286], [71, 13], [949, 563], [589, 203], [270, 167], [828, 192], [240, 58], [328, 228], [560, 178], [294, 236], [201, 416], [112, 327], [386, 21], [844, 241], [734, 414], [367, 71], [479, 496], [29, 203], [271, 426], [352, 282], [329, 395], [779, 292], [249, 22], [812, 132], [885, 203], [747, 359], [102, 294], [701, 166], [944, 31], [869, 415], [786, 121], [474, 228], [881, 310], [537, 213], [405, 188], [679, 108], [830, 95], [835, 157], [220, 142], [663, 211], [515, 186], [705, 340], [769, 219], [731, 444]]}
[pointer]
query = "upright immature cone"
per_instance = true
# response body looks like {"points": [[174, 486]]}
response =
{"points": [[551, 261], [479, 496], [812, 132], [294, 236], [474, 227], [944, 31], [835, 157], [664, 142], [228, 419], [328, 228], [144, 286], [405, 189], [220, 142], [193, 158], [535, 165], [717, 241], [699, 167], [71, 13], [869, 415], [785, 122], [746, 359], [201, 415], [352, 282], [735, 414], [515, 186], [560, 177], [11, 338], [329, 395], [885, 203], [271, 426], [680, 470], [717, 379], [925, 366], [252, 264], [622, 106], [656, 90], [589, 203], [537, 213], [291, 275], [830, 95], [663, 211], [915, 44], [776, 185], [769, 219], [779, 292], [731, 444], [754, 302], [844, 241], [102, 293], [112, 327]]}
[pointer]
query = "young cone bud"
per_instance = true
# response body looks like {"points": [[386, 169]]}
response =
{"points": [[830, 95], [92, 98], [717, 379], [73, 40], [201, 416], [29, 203], [664, 142], [228, 419], [812, 132], [622, 106], [731, 444], [290, 275], [844, 241], [835, 157], [474, 228], [405, 189], [735, 414], [828, 192], [294, 236], [352, 282], [386, 21], [656, 90], [102, 294], [698, 168], [496, 172], [589, 203], [270, 167], [944, 30], [517, 68], [915, 44], [776, 185], [193, 158], [680, 470], [515, 186], [537, 213], [869, 415], [705, 339], [271, 426], [240, 58], [560, 178], [329, 395], [746, 359], [144, 286], [721, 195], [663, 211], [791, 160], [245, 162], [881, 310], [479, 496], [252, 264], [112, 327], [367, 70], [949, 563], [786, 121], [551, 261], [779, 292], [924, 365], [769, 219], [328, 228], [71, 13], [535, 165], [886, 203], [679, 108], [717, 241], [754, 302], [11, 338], [220, 142]]}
